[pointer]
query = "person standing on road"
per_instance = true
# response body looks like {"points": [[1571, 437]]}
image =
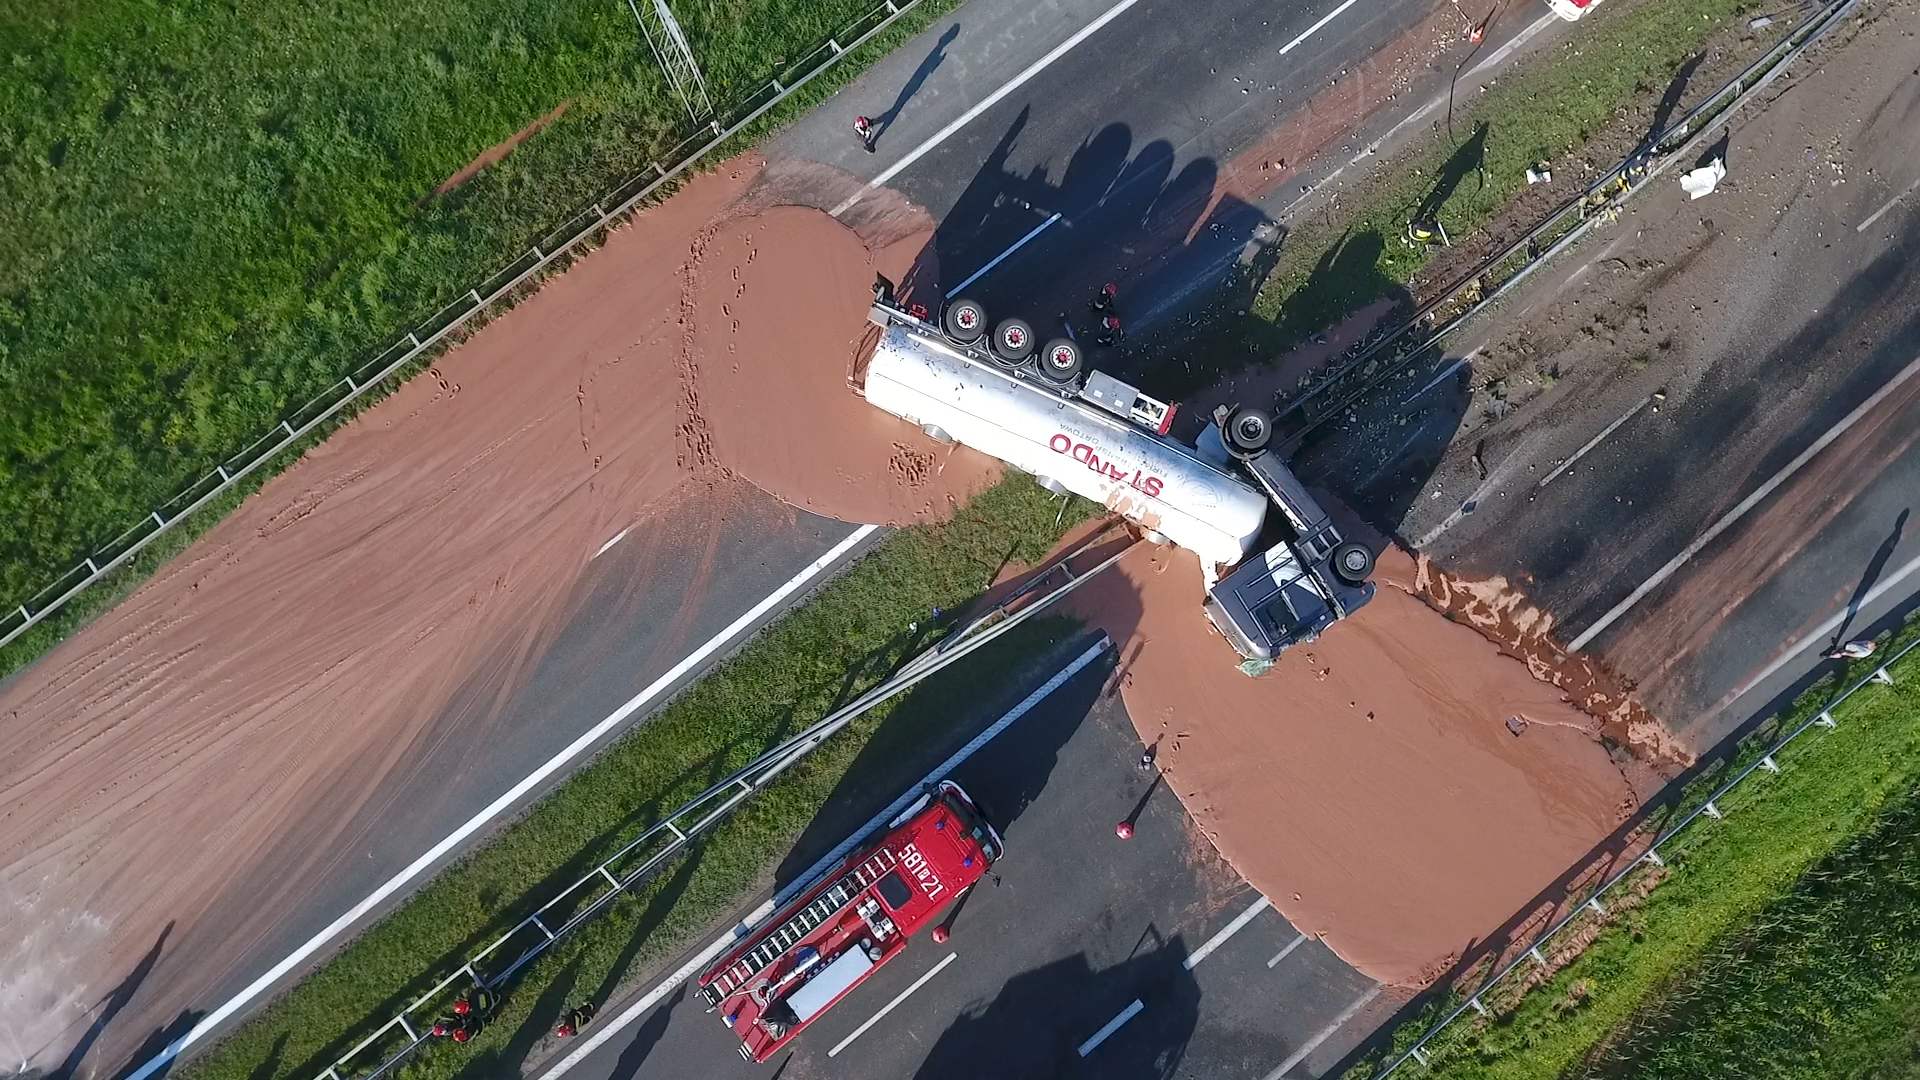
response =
{"points": [[864, 128]]}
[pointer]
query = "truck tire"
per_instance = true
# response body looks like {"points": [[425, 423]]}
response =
{"points": [[1352, 563], [1012, 342], [1247, 432], [964, 321], [1060, 361]]}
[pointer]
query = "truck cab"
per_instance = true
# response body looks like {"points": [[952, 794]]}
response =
{"points": [[1091, 434]]}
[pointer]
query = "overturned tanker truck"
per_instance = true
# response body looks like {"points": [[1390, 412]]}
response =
{"points": [[1090, 434]]}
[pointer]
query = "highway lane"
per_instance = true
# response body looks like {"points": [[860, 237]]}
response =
{"points": [[1125, 130], [1075, 926]]}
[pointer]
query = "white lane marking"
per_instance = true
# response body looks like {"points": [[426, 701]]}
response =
{"points": [[1515, 44], [1745, 505], [1112, 1026], [617, 537], [1447, 371], [1788, 654], [500, 805], [1226, 932], [1326, 1033], [1595, 441], [1877, 214], [1494, 479], [988, 102], [1433, 105], [1315, 28], [998, 259], [632, 1014], [891, 1005], [1284, 953]]}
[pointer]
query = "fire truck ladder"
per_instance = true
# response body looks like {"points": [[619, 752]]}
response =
{"points": [[784, 936]]}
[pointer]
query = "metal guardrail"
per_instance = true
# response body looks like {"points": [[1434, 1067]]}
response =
{"points": [[1709, 808], [640, 858], [359, 382], [1466, 297]]}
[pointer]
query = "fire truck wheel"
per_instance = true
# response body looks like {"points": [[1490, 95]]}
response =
{"points": [[1353, 562], [964, 321], [1060, 361], [1012, 342], [1247, 432]]}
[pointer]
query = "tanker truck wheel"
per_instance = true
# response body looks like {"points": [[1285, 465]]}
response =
{"points": [[1060, 361], [964, 321], [1012, 342], [1247, 432], [1352, 563]]}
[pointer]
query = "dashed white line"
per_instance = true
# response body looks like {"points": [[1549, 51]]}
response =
{"points": [[998, 259], [892, 1005], [1877, 214], [1739, 511], [1112, 1026], [1232, 928], [1595, 441], [617, 537], [989, 102], [1284, 953], [1326, 1033], [1315, 28]]}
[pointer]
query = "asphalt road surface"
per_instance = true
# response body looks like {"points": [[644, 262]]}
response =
{"points": [[1154, 94], [1076, 926]]}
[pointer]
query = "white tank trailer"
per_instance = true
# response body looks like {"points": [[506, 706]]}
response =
{"points": [[1090, 434]]}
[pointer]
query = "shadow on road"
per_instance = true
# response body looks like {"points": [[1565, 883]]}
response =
{"points": [[156, 1043], [1017, 1033], [927, 65], [646, 1037], [110, 1007], [1875, 567]]}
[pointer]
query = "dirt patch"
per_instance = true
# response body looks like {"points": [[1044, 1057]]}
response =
{"points": [[790, 286], [499, 151], [1370, 783]]}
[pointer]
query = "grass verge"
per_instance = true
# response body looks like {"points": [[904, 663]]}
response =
{"points": [[1832, 787], [1824, 981], [844, 640], [211, 212]]}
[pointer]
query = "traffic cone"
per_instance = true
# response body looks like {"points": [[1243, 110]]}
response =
{"points": [[1124, 830]]}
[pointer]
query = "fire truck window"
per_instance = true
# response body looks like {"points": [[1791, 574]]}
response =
{"points": [[894, 891]]}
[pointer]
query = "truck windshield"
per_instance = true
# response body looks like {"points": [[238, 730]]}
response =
{"points": [[972, 822]]}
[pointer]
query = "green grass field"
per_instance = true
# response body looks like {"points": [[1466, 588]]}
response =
{"points": [[208, 212], [1833, 787], [1824, 982], [843, 641]]}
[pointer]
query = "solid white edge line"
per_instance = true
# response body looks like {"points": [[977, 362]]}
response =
{"points": [[573, 750], [1315, 28], [1000, 258], [891, 1005], [1326, 1033], [1112, 1026], [1787, 655], [634, 1012], [1746, 504], [988, 102], [1288, 951], [1227, 931]]}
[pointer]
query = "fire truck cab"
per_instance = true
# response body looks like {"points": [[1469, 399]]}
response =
{"points": [[1093, 435], [831, 937]]}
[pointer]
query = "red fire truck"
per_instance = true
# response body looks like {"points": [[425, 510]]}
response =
{"points": [[827, 940]]}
